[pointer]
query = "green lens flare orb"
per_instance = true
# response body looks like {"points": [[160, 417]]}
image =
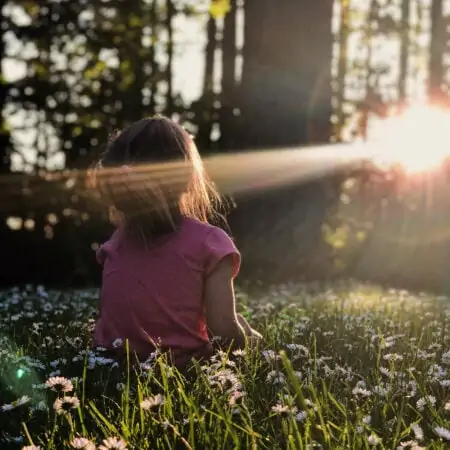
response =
{"points": [[20, 373]]}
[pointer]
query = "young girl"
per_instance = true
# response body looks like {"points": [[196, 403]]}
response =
{"points": [[167, 274]]}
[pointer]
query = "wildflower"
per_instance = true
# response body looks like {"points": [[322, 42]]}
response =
{"points": [[22, 400], [358, 391], [57, 362], [102, 361], [62, 405], [422, 402], [446, 358], [117, 343], [284, 409], [373, 439], [270, 355], [411, 388], [59, 384], [234, 397], [447, 406], [113, 443], [367, 420], [312, 405], [239, 352], [82, 443], [386, 372], [31, 447], [19, 402], [41, 406], [443, 433], [393, 357], [275, 377], [418, 432], [301, 416], [437, 372], [56, 373], [300, 350], [226, 379], [381, 390], [152, 402], [411, 445]]}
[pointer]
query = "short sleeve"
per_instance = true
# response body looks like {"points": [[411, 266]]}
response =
{"points": [[218, 246], [102, 252], [100, 255]]}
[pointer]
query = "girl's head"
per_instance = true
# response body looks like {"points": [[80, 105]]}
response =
{"points": [[151, 175]]}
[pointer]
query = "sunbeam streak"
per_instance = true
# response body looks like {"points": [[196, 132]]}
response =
{"points": [[233, 173]]}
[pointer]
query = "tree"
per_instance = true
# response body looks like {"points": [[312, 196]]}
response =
{"points": [[286, 91], [437, 47], [204, 108], [95, 66], [228, 101], [5, 138], [404, 50]]}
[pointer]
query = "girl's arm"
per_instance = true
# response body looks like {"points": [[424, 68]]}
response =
{"points": [[249, 331], [221, 317]]}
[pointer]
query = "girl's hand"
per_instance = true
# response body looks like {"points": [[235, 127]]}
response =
{"points": [[254, 339]]}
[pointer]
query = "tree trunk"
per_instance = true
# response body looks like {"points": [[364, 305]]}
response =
{"points": [[228, 95], [437, 45], [286, 89], [5, 143], [205, 105], [342, 66], [131, 51], [170, 14], [404, 52], [152, 60]]}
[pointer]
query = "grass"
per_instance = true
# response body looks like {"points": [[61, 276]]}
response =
{"points": [[343, 366]]}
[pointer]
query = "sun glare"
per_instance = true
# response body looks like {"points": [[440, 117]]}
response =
{"points": [[417, 140]]}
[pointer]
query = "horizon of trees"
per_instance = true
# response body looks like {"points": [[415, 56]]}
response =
{"points": [[270, 75], [75, 70]]}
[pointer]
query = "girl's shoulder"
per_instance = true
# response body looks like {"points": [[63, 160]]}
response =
{"points": [[202, 229], [210, 242], [109, 246]]}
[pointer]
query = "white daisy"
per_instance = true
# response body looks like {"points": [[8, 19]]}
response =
{"points": [[59, 384], [373, 439], [443, 433], [64, 404], [82, 443], [117, 343], [284, 409], [113, 443], [152, 402], [418, 432]]}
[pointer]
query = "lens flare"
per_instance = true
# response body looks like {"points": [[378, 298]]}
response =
{"points": [[417, 140]]}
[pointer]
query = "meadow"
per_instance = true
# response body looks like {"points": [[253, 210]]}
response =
{"points": [[342, 366]]}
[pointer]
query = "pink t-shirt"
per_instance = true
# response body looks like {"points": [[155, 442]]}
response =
{"points": [[156, 294]]}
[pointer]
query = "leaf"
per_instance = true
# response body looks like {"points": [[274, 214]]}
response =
{"points": [[361, 236], [219, 8], [95, 70]]}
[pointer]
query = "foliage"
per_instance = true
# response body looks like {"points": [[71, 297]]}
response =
{"points": [[219, 8], [342, 366], [87, 68]]}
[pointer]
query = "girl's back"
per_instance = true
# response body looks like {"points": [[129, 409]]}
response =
{"points": [[155, 294], [167, 273]]}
